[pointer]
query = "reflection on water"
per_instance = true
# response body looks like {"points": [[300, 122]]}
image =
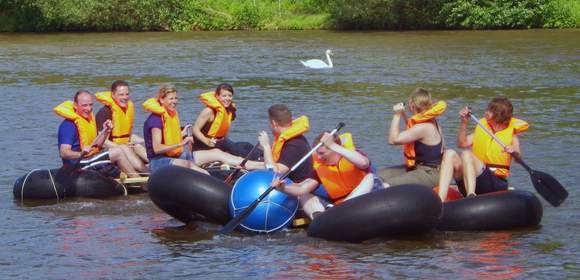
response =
{"points": [[129, 238]]}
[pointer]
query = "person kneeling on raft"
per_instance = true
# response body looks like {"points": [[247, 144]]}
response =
{"points": [[77, 136], [341, 173], [118, 107], [423, 142], [485, 167], [164, 137]]}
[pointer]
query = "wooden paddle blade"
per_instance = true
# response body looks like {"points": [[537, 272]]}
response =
{"points": [[548, 187]]}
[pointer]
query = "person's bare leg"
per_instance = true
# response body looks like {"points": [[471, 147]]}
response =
{"points": [[450, 167], [365, 186], [311, 204], [134, 159], [118, 157], [469, 172], [188, 164]]}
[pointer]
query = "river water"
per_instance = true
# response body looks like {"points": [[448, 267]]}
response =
{"points": [[539, 70]]}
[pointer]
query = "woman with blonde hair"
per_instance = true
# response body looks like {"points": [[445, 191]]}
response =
{"points": [[423, 142], [165, 142]]}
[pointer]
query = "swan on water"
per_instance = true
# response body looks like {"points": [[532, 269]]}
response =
{"points": [[317, 63]]}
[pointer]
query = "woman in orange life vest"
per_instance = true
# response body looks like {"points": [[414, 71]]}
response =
{"points": [[485, 167], [423, 142], [163, 137], [213, 123], [77, 134], [341, 173], [119, 108]]}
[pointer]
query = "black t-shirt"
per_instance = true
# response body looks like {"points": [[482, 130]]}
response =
{"points": [[292, 151], [103, 115]]}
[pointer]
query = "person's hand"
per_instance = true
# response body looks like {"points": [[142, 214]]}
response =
{"points": [[278, 184], [465, 114], [86, 150], [399, 108], [108, 126], [187, 126], [187, 140], [211, 142], [264, 139], [327, 140], [509, 149]]}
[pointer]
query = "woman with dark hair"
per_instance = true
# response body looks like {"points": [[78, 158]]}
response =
{"points": [[213, 122]]}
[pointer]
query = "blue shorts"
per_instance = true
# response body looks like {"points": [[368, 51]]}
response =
{"points": [[159, 162]]}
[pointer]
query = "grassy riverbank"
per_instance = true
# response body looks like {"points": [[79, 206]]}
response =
{"points": [[187, 15]]}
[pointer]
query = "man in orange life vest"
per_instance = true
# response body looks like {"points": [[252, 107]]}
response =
{"points": [[341, 172], [485, 167], [118, 108], [77, 134], [289, 145]]}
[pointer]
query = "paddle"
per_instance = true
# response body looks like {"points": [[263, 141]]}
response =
{"points": [[190, 134], [233, 174], [546, 185], [233, 223], [65, 172]]}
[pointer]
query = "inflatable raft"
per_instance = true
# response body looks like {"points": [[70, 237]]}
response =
{"points": [[53, 184], [411, 209], [492, 211]]}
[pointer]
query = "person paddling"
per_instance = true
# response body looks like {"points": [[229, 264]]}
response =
{"points": [[164, 137], [422, 141], [486, 167], [341, 172], [119, 108], [77, 136]]}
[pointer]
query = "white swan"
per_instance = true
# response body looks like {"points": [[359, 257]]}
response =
{"points": [[317, 63]]}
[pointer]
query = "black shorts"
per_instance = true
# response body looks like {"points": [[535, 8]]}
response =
{"points": [[101, 163], [486, 182]]}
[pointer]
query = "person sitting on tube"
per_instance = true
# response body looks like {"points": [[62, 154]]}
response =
{"points": [[289, 144], [164, 140], [423, 142], [485, 167], [77, 136], [341, 172], [118, 108]]}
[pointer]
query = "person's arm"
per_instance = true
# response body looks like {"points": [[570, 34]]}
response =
{"points": [[102, 137], [297, 189], [205, 116], [464, 140], [159, 147], [66, 152], [514, 147], [396, 137], [359, 160], [264, 141]]}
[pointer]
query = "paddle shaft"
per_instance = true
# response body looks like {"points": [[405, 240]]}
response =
{"points": [[190, 134], [232, 224], [93, 144], [515, 155], [233, 174]]}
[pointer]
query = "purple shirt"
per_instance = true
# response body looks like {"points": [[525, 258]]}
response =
{"points": [[153, 121]]}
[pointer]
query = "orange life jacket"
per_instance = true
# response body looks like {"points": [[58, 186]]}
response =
{"points": [[341, 179], [490, 152], [298, 127], [122, 117], [222, 119], [171, 126], [435, 111], [87, 129]]}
